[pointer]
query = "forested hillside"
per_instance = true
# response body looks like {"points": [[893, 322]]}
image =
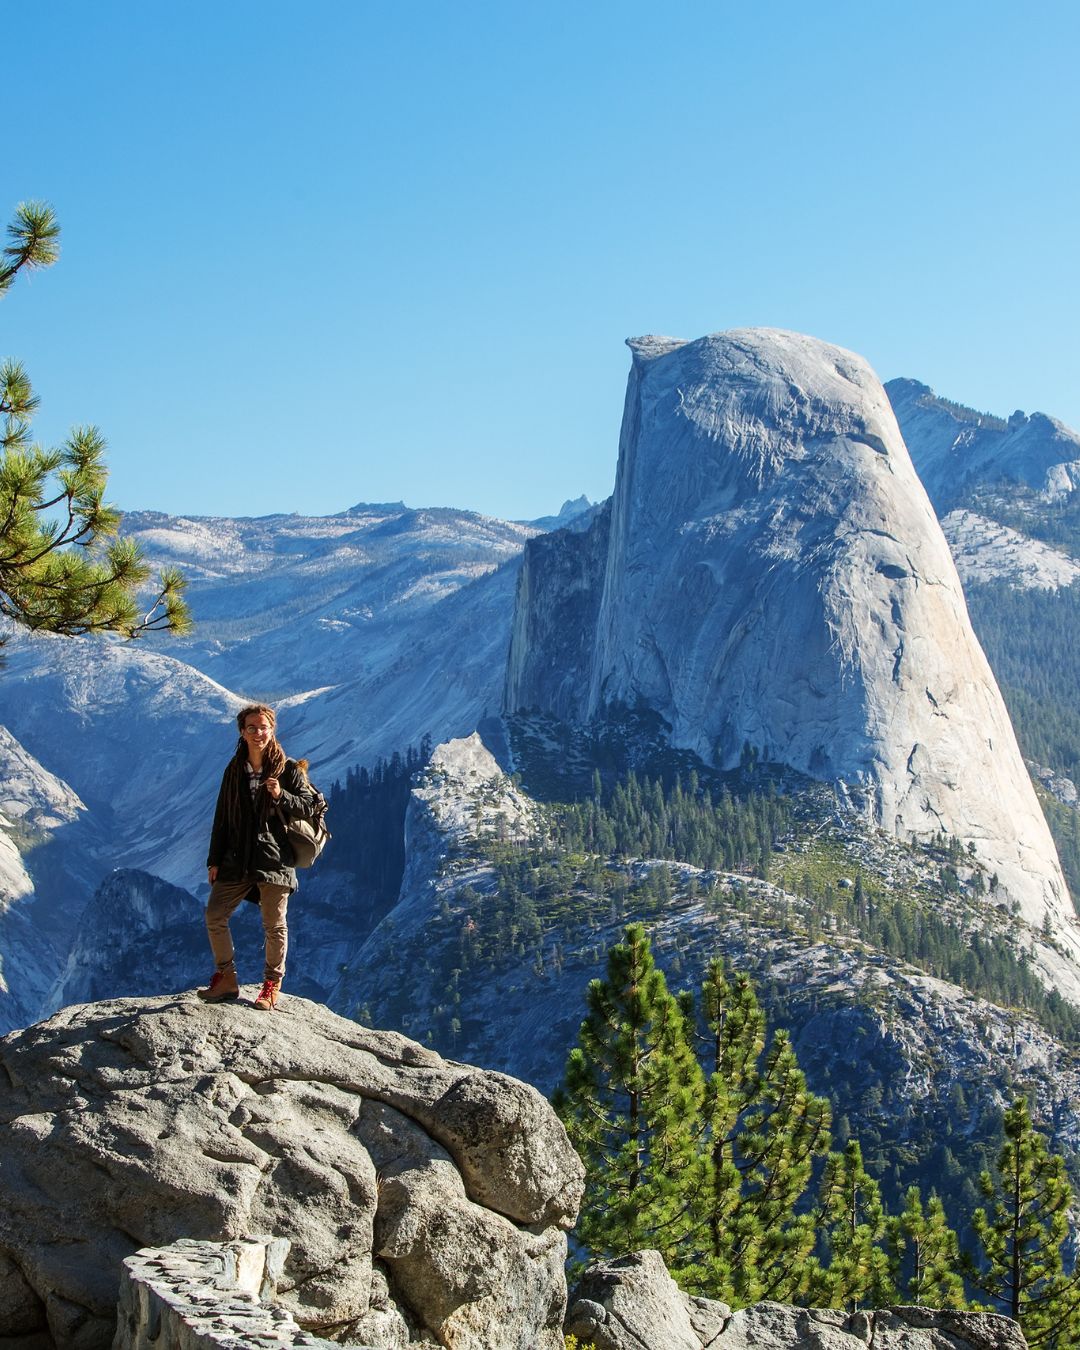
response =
{"points": [[701, 1138], [755, 851]]}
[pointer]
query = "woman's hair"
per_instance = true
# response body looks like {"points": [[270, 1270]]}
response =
{"points": [[273, 755], [235, 783]]}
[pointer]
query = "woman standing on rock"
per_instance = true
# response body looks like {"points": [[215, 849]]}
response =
{"points": [[249, 855]]}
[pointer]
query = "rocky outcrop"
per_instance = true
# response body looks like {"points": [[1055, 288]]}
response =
{"points": [[420, 1197], [957, 450], [461, 795], [632, 1303], [776, 579]]}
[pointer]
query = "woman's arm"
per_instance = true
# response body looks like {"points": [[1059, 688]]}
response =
{"points": [[297, 798]]}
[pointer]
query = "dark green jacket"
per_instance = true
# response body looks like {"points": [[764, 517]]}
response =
{"points": [[260, 851]]}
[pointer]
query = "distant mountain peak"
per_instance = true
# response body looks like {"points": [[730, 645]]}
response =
{"points": [[914, 390], [375, 509], [573, 514], [573, 506]]}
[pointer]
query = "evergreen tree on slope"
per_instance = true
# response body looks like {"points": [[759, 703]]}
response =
{"points": [[859, 1271], [1021, 1235], [765, 1128], [631, 1103], [926, 1254]]}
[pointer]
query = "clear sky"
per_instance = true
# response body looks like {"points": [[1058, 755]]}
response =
{"points": [[327, 252]]}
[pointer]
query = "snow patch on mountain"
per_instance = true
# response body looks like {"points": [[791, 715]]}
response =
{"points": [[33, 802], [280, 600]]}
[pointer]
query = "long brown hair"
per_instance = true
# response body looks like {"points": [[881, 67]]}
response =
{"points": [[235, 779]]}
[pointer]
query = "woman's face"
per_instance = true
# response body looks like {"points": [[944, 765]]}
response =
{"points": [[257, 731]]}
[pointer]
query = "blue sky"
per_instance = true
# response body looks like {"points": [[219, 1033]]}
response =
{"points": [[323, 253]]}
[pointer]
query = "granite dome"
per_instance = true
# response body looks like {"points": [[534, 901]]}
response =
{"points": [[775, 577]]}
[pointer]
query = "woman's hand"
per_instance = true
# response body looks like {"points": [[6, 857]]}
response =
{"points": [[211, 873], [274, 788]]}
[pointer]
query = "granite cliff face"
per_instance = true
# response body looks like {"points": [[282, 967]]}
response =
{"points": [[775, 577], [987, 553], [555, 615], [44, 836]]}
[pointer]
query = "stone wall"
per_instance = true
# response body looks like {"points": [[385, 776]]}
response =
{"points": [[207, 1296]]}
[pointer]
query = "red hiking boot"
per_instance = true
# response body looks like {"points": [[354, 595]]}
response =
{"points": [[222, 985], [268, 995]]}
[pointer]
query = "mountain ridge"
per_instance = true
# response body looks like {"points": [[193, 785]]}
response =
{"points": [[955, 448]]}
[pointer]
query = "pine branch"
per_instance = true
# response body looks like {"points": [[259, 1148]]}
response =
{"points": [[35, 241]]}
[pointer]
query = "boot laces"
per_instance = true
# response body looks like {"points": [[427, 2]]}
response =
{"points": [[269, 991]]}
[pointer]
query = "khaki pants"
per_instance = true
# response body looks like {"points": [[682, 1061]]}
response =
{"points": [[273, 901]]}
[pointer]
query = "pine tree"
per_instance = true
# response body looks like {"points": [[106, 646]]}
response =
{"points": [[858, 1271], [926, 1254], [62, 568], [631, 1103], [765, 1129], [1021, 1236]]}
